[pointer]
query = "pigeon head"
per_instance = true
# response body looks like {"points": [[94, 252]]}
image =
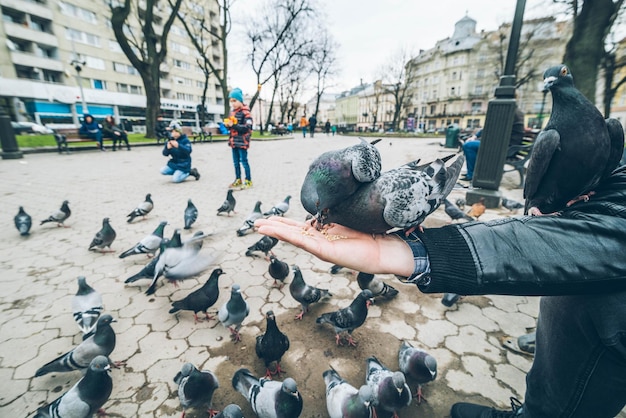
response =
{"points": [[105, 221], [149, 197], [288, 198], [557, 76], [289, 387], [398, 380], [100, 363], [368, 296], [366, 395], [235, 289], [187, 369], [270, 316], [105, 319]]}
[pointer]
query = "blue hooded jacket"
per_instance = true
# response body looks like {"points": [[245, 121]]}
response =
{"points": [[89, 128], [181, 156]]}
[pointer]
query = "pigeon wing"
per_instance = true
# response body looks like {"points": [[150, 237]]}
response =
{"points": [[546, 144]]}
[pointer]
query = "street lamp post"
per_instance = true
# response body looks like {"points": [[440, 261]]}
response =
{"points": [[78, 65]]}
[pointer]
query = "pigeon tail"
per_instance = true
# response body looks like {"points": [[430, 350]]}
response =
{"points": [[243, 381]]}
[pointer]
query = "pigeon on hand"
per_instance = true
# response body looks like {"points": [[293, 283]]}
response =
{"points": [[23, 222], [280, 208], [142, 209], [191, 214], [100, 343], [343, 400], [248, 224], [418, 365], [390, 390], [149, 244], [104, 237], [279, 270], [202, 299], [196, 388], [271, 346], [229, 204], [86, 397], [265, 244], [575, 151], [233, 312], [59, 216], [86, 306], [350, 318], [378, 287], [304, 293], [230, 411], [454, 212], [269, 398]]}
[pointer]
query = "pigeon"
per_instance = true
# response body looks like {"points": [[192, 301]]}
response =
{"points": [[269, 398], [229, 204], [460, 202], [104, 237], [511, 204], [271, 346], [378, 288], [390, 390], [417, 365], [280, 208], [202, 299], [145, 273], [343, 400], [23, 222], [230, 411], [335, 268], [196, 241], [265, 245], [454, 212], [59, 216], [142, 209], [304, 293], [477, 209], [233, 312], [350, 318], [279, 270], [149, 244], [248, 224], [196, 388], [191, 214], [575, 151], [86, 306], [100, 343], [86, 397]]}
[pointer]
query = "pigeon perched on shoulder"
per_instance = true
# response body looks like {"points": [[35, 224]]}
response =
{"points": [[418, 365], [230, 411], [280, 208], [229, 204], [271, 346], [269, 398], [86, 397], [350, 318], [573, 153], [454, 212], [279, 270], [142, 209], [86, 306], [196, 388], [248, 224], [304, 293], [265, 245], [104, 237], [379, 288], [191, 214], [511, 204], [202, 299], [344, 400], [149, 244], [233, 312], [59, 216], [23, 222], [391, 393]]}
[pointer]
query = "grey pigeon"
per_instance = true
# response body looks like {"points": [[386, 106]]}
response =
{"points": [[391, 393], [379, 288], [418, 365], [86, 306], [271, 346], [575, 151], [233, 312], [196, 241], [265, 245], [454, 212], [280, 208], [335, 268], [101, 343], [23, 222], [202, 299], [344, 400], [196, 388], [142, 209], [191, 214], [229, 204], [304, 293], [269, 398], [86, 397], [279, 270], [230, 411], [248, 224], [149, 244], [104, 237], [460, 202], [147, 272], [511, 204], [349, 318], [59, 216]]}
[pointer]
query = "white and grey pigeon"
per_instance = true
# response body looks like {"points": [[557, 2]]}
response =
{"points": [[196, 389], [280, 208], [230, 411], [229, 204], [248, 224], [191, 214], [417, 365], [104, 237], [391, 393], [269, 398], [232, 313], [379, 288], [86, 306], [59, 216], [348, 319], [23, 222], [86, 397], [149, 244], [142, 209], [344, 400], [304, 293]]}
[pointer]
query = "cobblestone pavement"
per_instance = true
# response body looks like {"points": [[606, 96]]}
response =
{"points": [[39, 281]]}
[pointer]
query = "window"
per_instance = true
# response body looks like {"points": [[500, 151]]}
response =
{"points": [[135, 89], [82, 37], [125, 88], [480, 73], [182, 64], [114, 46], [433, 108], [183, 81], [476, 106], [99, 84], [199, 84], [122, 88], [124, 68], [75, 11], [185, 96], [93, 62], [478, 90], [176, 47]]}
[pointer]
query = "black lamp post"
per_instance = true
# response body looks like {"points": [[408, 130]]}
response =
{"points": [[10, 149]]}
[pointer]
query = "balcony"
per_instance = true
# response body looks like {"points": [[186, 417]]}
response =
{"points": [[165, 84], [31, 60], [28, 7], [15, 30]]}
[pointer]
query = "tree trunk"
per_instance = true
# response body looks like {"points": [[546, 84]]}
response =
{"points": [[153, 101]]}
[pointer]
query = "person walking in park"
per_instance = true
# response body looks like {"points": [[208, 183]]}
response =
{"points": [[327, 127], [239, 124], [178, 148], [89, 128], [312, 125], [303, 124], [115, 132]]}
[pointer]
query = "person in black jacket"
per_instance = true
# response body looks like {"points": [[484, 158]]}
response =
{"points": [[111, 130], [575, 260], [178, 148]]}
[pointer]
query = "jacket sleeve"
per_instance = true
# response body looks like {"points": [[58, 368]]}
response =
{"points": [[244, 122]]}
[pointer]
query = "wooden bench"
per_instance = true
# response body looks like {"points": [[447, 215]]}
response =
{"points": [[67, 136], [517, 156]]}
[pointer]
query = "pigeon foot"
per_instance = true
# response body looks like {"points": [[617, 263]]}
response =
{"points": [[101, 413], [582, 197], [419, 396], [300, 315]]}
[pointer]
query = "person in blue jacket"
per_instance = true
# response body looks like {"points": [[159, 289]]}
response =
{"points": [[89, 128], [178, 148]]}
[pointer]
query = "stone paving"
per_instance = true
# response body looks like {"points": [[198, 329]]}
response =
{"points": [[39, 281]]}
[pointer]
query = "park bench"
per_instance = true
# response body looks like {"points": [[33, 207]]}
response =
{"points": [[517, 156], [279, 130], [70, 135]]}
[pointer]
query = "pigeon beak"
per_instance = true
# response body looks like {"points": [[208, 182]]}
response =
{"points": [[369, 303], [107, 367], [548, 82]]}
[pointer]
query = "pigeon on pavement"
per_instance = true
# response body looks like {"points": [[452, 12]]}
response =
{"points": [[104, 237], [191, 214], [304, 293], [344, 400], [390, 390], [350, 318], [86, 397], [149, 244], [59, 216], [454, 212], [230, 411], [86, 306], [265, 245], [280, 208], [202, 299], [147, 272], [229, 204], [196, 388], [142, 209], [418, 365], [335, 268], [279, 270], [511, 204], [248, 224], [379, 288], [271, 346], [23, 222], [233, 312], [269, 398]]}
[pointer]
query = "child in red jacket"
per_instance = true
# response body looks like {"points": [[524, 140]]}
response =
{"points": [[239, 124]]}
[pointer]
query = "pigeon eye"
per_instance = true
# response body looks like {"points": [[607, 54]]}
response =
{"points": [[564, 71]]}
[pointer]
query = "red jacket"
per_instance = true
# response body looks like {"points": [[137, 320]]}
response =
{"points": [[241, 131]]}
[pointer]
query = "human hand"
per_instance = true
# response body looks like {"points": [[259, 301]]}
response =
{"points": [[173, 143]]}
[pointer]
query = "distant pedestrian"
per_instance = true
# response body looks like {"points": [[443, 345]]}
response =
{"points": [[115, 132], [334, 129], [91, 129], [327, 127], [239, 123], [303, 124], [312, 124], [178, 148]]}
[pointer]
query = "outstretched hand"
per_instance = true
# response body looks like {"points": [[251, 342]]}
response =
{"points": [[343, 246]]}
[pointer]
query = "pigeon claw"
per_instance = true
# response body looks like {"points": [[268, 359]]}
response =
{"points": [[419, 396], [300, 315], [213, 412]]}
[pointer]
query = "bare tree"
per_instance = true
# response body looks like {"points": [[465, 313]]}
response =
{"points": [[397, 76], [611, 66], [290, 88], [322, 62]]}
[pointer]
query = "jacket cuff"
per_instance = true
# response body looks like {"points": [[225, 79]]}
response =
{"points": [[421, 270]]}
